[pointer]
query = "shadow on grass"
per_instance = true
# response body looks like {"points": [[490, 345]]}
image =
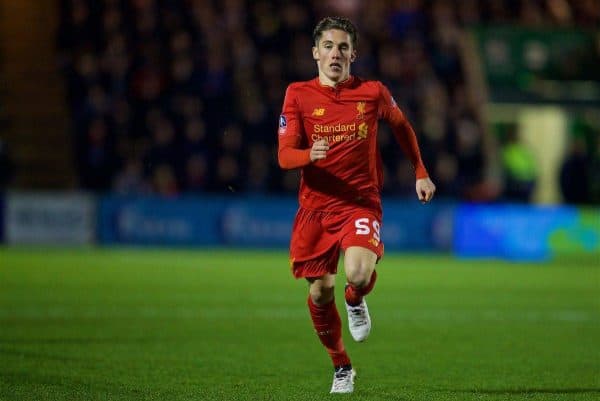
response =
{"points": [[524, 391], [84, 388], [43, 355], [75, 341]]}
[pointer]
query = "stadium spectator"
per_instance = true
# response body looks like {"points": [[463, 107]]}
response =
{"points": [[595, 172], [6, 165], [164, 181], [194, 140], [98, 162], [163, 149], [520, 168], [575, 174], [328, 129], [257, 171], [130, 180], [196, 173]]}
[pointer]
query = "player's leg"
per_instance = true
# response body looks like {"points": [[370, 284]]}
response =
{"points": [[359, 264], [326, 319], [328, 326], [362, 249], [314, 255]]}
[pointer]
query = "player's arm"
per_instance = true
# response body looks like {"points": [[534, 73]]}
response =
{"points": [[406, 137], [290, 153]]}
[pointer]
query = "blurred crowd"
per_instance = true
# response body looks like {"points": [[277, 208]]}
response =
{"points": [[174, 96]]}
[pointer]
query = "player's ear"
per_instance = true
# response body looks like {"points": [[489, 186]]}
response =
{"points": [[353, 56], [315, 51]]}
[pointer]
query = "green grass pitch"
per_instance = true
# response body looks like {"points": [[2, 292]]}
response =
{"points": [[146, 324]]}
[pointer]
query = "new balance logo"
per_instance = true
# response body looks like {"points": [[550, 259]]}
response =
{"points": [[318, 112]]}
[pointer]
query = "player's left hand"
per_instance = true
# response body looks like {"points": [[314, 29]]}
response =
{"points": [[425, 189]]}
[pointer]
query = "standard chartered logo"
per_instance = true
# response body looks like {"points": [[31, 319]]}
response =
{"points": [[320, 128], [340, 132]]}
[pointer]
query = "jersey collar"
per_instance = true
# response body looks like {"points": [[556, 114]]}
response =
{"points": [[341, 85]]}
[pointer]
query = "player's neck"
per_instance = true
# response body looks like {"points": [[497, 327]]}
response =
{"points": [[324, 81]]}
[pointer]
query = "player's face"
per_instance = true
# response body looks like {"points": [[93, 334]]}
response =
{"points": [[334, 54]]}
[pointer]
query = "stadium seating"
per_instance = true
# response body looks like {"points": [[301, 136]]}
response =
{"points": [[183, 96]]}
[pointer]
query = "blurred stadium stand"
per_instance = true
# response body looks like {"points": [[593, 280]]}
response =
{"points": [[182, 96], [103, 99]]}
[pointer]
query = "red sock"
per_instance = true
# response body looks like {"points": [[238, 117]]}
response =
{"points": [[328, 326], [354, 295]]}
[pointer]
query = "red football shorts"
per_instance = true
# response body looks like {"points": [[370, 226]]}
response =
{"points": [[318, 237]]}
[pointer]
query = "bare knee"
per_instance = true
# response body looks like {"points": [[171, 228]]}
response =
{"points": [[359, 277], [321, 292], [359, 264], [321, 295]]}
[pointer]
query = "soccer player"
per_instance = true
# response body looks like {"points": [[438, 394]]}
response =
{"points": [[328, 128]]}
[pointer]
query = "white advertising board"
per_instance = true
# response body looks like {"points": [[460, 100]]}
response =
{"points": [[49, 218]]}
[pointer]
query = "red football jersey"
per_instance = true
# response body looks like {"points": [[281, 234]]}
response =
{"points": [[347, 117]]}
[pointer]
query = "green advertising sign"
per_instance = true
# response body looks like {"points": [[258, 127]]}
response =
{"points": [[560, 65]]}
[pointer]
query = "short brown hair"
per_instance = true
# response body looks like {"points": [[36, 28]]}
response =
{"points": [[341, 23]]}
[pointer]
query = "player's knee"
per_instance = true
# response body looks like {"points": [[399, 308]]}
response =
{"points": [[360, 276], [321, 295]]}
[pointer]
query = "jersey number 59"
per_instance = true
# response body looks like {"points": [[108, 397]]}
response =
{"points": [[362, 227]]}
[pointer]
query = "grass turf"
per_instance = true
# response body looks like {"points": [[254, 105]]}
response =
{"points": [[142, 324]]}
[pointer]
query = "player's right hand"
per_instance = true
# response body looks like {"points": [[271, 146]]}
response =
{"points": [[425, 189], [319, 150]]}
